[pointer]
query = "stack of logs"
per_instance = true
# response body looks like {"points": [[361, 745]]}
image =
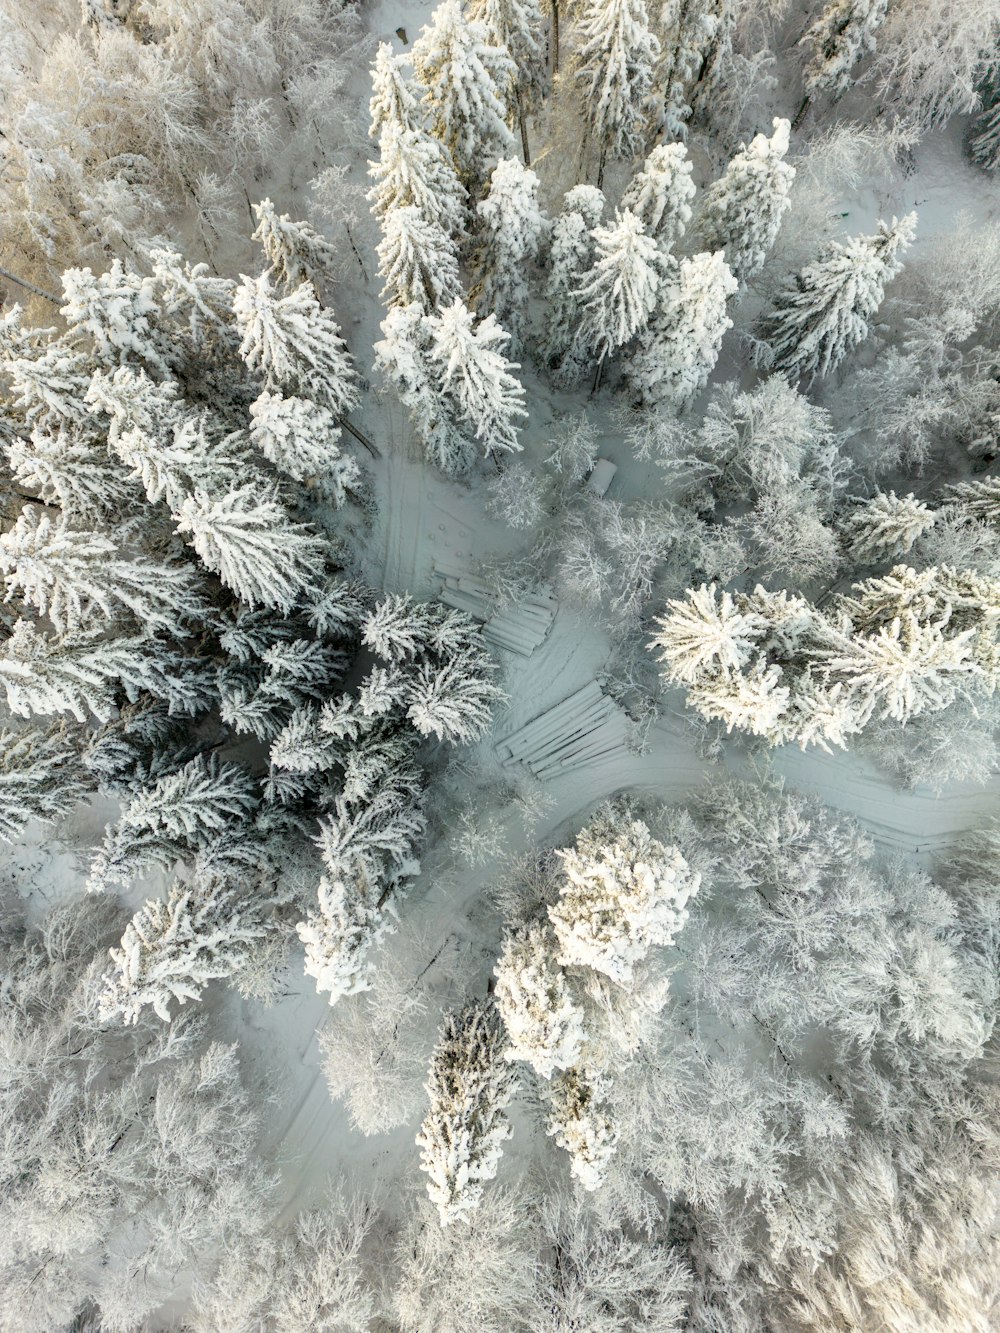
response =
{"points": [[520, 629], [585, 729]]}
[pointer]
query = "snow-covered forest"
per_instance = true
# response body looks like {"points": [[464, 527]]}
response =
{"points": [[499, 666]]}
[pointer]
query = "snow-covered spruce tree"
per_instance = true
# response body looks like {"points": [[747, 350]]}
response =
{"points": [[415, 170], [695, 42], [295, 251], [403, 356], [302, 439], [543, 1025], [660, 194], [395, 103], [618, 296], [171, 950], [579, 1121], [613, 72], [510, 235], [293, 344], [741, 212], [517, 27], [417, 261], [828, 310], [886, 526], [41, 777], [842, 35], [681, 345], [485, 397], [462, 1135], [467, 79], [571, 255], [619, 896], [983, 140], [358, 755]]}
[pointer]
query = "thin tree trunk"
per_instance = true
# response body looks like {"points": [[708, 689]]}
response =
{"points": [[30, 286], [555, 36], [600, 167], [597, 374], [522, 121], [801, 112], [359, 435]]}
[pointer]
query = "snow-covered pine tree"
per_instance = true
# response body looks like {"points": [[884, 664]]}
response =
{"points": [[621, 893], [417, 261], [340, 933], [511, 232], [619, 295], [403, 355], [172, 949], [41, 777], [571, 256], [454, 701], [414, 169], [295, 251], [71, 574], [462, 1135], [248, 539], [113, 314], [302, 440], [293, 344], [466, 78], [660, 194], [842, 35], [613, 72], [544, 1027], [71, 471], [173, 817], [697, 36], [478, 378], [742, 210], [579, 1120], [885, 526], [395, 104], [828, 310], [517, 28], [681, 345]]}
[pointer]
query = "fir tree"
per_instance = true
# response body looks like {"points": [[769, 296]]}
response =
{"points": [[828, 310], [697, 36], [842, 36], [302, 440], [293, 343], [660, 194], [394, 104], [579, 1120], [414, 169], [462, 1135], [250, 542], [511, 231], [571, 256], [41, 777], [171, 950], [295, 252], [614, 73], [886, 526], [681, 345], [516, 27], [742, 210], [620, 293], [478, 377], [466, 78], [417, 261]]}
